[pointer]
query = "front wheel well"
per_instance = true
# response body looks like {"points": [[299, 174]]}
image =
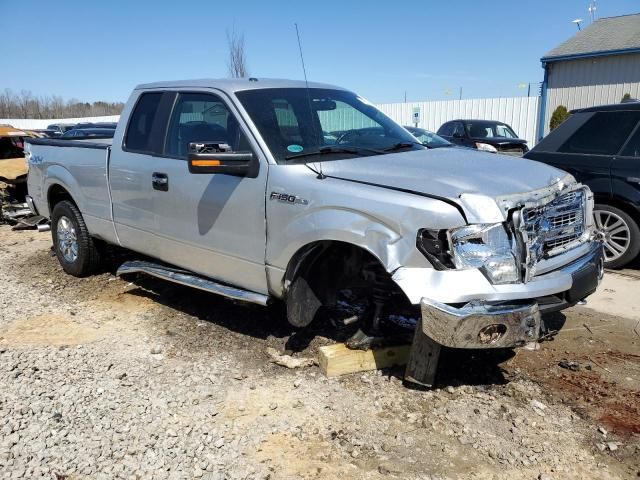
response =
{"points": [[318, 272], [323, 257], [618, 203]]}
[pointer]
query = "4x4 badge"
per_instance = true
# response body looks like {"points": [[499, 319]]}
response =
{"points": [[287, 198]]}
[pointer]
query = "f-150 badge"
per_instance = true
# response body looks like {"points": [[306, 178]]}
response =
{"points": [[287, 198]]}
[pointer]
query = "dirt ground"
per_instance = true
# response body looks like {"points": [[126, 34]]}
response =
{"points": [[136, 378]]}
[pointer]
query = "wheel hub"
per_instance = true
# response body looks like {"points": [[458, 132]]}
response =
{"points": [[67, 240], [615, 234]]}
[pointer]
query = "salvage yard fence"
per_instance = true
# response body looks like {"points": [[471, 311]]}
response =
{"points": [[521, 113]]}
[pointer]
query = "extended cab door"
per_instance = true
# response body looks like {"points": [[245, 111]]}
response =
{"points": [[212, 224], [625, 171]]}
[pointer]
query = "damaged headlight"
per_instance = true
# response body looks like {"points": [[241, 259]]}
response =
{"points": [[486, 247]]}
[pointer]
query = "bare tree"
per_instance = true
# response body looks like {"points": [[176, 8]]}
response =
{"points": [[237, 63], [27, 105]]}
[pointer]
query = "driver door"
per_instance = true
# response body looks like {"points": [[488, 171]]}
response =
{"points": [[211, 224]]}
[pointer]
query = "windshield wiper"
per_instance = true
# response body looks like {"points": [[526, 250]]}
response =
{"points": [[329, 150], [401, 145]]}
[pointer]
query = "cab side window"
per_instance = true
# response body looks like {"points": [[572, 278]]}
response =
{"points": [[602, 134], [202, 117], [138, 136], [458, 129]]}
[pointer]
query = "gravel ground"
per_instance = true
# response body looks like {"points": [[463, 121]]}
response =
{"points": [[103, 378]]}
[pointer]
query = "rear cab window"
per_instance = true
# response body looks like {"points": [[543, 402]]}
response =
{"points": [[138, 137]]}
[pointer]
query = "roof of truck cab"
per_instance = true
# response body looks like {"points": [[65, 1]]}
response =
{"points": [[236, 84]]}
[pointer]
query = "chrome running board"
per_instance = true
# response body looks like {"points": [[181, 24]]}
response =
{"points": [[184, 277]]}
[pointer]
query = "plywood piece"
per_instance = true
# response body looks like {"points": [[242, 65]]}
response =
{"points": [[337, 359], [13, 168]]}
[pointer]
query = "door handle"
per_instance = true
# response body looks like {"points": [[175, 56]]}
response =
{"points": [[160, 181]]}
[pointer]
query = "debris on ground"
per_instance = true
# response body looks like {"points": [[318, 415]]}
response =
{"points": [[289, 361], [14, 211], [569, 365]]}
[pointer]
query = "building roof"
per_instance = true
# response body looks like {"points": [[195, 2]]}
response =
{"points": [[606, 36]]}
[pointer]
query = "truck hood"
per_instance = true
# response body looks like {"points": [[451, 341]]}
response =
{"points": [[449, 173]]}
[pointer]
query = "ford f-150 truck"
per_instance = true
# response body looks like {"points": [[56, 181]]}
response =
{"points": [[271, 189]]}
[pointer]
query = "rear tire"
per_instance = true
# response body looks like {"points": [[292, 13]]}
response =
{"points": [[621, 235], [74, 247]]}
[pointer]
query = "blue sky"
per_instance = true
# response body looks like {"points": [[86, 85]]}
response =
{"points": [[93, 50]]}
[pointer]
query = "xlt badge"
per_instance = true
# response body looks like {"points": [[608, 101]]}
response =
{"points": [[287, 198]]}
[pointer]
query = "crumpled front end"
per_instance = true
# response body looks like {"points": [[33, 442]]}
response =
{"points": [[480, 325], [557, 261]]}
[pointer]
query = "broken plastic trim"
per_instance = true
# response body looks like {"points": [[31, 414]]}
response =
{"points": [[189, 279], [434, 244]]}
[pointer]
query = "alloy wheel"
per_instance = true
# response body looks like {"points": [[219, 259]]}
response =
{"points": [[67, 240], [616, 235]]}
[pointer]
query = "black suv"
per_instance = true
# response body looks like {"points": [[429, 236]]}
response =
{"points": [[485, 135], [600, 146]]}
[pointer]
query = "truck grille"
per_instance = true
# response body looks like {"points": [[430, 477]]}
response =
{"points": [[514, 151], [552, 228]]}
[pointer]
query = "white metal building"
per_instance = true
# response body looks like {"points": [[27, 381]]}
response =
{"points": [[596, 66]]}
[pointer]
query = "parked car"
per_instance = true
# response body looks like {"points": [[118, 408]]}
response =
{"points": [[372, 225], [60, 128], [600, 146], [89, 132], [429, 139], [84, 125], [485, 135], [49, 133]]}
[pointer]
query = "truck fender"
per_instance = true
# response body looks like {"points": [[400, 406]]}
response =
{"points": [[339, 225], [58, 175]]}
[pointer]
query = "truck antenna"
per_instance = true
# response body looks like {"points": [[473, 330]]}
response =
{"points": [[321, 175]]}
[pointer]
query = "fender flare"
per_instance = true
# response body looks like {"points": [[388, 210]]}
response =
{"points": [[57, 175]]}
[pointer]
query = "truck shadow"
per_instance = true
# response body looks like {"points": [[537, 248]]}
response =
{"points": [[457, 367]]}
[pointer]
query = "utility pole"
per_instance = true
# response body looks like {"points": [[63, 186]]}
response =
{"points": [[592, 10]]}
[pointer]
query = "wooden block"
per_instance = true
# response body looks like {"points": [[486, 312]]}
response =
{"points": [[422, 363], [337, 359]]}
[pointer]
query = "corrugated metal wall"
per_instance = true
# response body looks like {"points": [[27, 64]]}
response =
{"points": [[592, 81], [519, 112]]}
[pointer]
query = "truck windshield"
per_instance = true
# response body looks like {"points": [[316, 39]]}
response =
{"points": [[300, 123]]}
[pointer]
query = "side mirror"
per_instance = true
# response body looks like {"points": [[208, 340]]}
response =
{"points": [[217, 157]]}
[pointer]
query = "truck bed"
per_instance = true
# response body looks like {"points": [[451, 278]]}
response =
{"points": [[95, 142], [80, 166]]}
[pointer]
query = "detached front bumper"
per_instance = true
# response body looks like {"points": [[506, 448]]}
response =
{"points": [[510, 323]]}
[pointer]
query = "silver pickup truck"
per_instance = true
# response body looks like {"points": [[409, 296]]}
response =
{"points": [[272, 189]]}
